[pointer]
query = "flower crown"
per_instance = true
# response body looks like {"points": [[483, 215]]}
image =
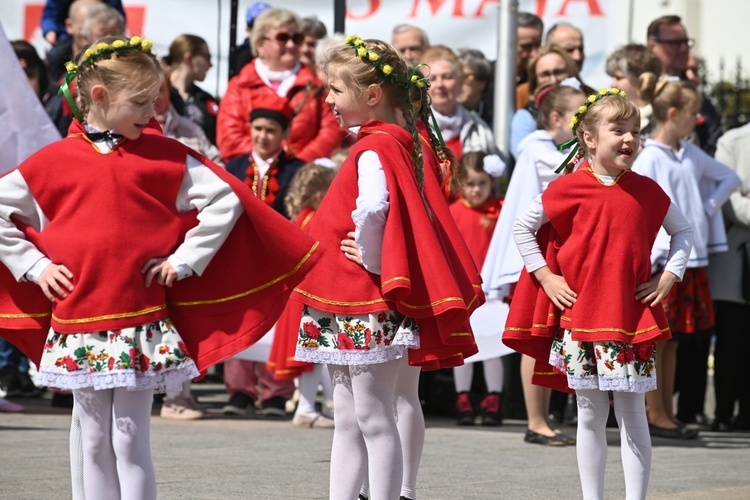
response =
{"points": [[94, 54], [575, 121], [358, 44]]}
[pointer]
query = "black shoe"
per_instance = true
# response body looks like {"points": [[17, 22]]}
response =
{"points": [[721, 426], [697, 418], [361, 497], [536, 438], [10, 382], [239, 404], [27, 387], [403, 498], [679, 432], [273, 407], [741, 423], [62, 400]]}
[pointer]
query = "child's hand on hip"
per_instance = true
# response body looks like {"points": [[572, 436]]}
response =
{"points": [[55, 280], [351, 249], [161, 269], [556, 288], [654, 290]]}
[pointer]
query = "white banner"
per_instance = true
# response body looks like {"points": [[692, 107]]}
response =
{"points": [[456, 23]]}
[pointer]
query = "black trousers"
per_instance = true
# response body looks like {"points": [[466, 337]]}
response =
{"points": [[731, 375]]}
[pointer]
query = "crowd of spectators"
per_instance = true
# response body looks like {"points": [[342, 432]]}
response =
{"points": [[280, 57]]}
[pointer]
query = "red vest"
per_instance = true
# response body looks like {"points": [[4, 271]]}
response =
{"points": [[476, 226], [423, 273], [599, 239], [110, 213]]}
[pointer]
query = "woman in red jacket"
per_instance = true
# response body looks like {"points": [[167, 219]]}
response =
{"points": [[313, 133]]}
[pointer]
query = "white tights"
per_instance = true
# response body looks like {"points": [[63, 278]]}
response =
{"points": [[308, 388], [365, 432], [115, 437], [591, 447], [493, 375], [76, 454], [410, 424]]}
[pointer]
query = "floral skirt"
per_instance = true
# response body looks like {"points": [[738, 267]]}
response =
{"points": [[143, 357], [364, 339], [606, 366], [688, 304]]}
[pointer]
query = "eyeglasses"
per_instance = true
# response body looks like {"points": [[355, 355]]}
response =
{"points": [[676, 44], [283, 38], [557, 73]]}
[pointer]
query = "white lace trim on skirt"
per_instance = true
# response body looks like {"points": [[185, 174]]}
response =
{"points": [[169, 378], [617, 383]]}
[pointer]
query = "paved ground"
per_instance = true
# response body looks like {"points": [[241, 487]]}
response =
{"points": [[248, 458]]}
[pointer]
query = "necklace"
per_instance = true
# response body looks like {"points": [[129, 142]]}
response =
{"points": [[268, 186]]}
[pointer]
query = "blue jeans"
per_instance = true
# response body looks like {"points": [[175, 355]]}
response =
{"points": [[12, 357]]}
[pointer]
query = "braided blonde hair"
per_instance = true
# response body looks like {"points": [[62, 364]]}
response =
{"points": [[360, 74]]}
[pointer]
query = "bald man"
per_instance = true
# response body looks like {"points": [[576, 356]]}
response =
{"points": [[410, 41], [570, 39]]}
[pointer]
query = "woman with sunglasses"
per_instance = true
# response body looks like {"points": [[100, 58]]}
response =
{"points": [[550, 65], [313, 133], [276, 40], [189, 60]]}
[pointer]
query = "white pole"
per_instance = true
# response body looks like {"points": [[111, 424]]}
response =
{"points": [[505, 72]]}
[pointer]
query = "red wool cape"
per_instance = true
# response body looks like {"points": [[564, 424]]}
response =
{"points": [[599, 239], [110, 213], [426, 269]]}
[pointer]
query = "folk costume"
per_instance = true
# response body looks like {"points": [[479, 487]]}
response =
{"points": [[267, 178], [418, 241], [599, 238], [113, 210], [699, 185]]}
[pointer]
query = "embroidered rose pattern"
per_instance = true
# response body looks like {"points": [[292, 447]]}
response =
{"points": [[619, 365], [351, 332], [150, 348]]}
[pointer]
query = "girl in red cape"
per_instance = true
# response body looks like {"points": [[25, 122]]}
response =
{"points": [[476, 214], [126, 269], [586, 306], [365, 306]]}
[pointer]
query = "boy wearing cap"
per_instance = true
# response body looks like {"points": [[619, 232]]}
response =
{"points": [[267, 170]]}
